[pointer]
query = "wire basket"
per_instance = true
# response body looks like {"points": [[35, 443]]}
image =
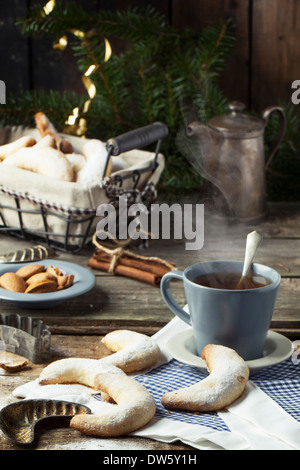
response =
{"points": [[70, 229]]}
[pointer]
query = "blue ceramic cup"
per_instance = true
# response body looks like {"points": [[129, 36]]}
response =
{"points": [[238, 319]]}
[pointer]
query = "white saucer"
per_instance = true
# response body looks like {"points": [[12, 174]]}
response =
{"points": [[278, 348]]}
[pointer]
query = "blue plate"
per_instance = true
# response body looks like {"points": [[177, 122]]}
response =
{"points": [[84, 281]]}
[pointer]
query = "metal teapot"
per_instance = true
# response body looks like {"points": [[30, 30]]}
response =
{"points": [[231, 150]]}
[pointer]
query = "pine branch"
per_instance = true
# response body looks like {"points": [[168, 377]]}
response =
{"points": [[20, 109], [161, 71]]}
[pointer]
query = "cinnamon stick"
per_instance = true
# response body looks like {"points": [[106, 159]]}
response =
{"points": [[127, 271], [150, 266]]}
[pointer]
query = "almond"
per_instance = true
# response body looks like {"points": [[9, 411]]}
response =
{"points": [[41, 287], [54, 271], [41, 277], [29, 270], [12, 282], [70, 280], [65, 281], [12, 362], [13, 366], [61, 281]]}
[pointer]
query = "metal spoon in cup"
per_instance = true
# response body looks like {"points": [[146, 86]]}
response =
{"points": [[252, 243]]}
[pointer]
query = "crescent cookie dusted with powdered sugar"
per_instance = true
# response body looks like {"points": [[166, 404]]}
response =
{"points": [[48, 162], [132, 351], [12, 147], [134, 408], [228, 375], [133, 405], [75, 370]]}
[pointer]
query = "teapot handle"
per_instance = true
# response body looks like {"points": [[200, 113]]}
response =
{"points": [[281, 130]]}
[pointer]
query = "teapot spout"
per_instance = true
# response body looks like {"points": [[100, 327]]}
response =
{"points": [[209, 142], [195, 128], [206, 134]]}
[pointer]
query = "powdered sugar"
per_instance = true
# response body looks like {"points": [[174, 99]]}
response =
{"points": [[76, 370], [133, 351], [94, 443], [135, 407], [74, 393], [226, 381]]}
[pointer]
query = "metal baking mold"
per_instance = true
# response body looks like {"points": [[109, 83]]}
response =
{"points": [[25, 336], [18, 420], [36, 253]]}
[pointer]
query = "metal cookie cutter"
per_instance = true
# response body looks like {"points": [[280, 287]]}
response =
{"points": [[36, 253], [25, 336]]}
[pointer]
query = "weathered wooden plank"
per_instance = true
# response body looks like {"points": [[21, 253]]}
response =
{"points": [[194, 14], [260, 71], [282, 221], [280, 254], [120, 5], [143, 310], [14, 69], [275, 50], [53, 69], [128, 303], [57, 435], [53, 436]]}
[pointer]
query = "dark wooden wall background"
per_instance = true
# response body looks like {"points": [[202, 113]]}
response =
{"points": [[264, 63]]}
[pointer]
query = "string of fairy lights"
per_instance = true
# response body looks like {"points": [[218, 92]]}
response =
{"points": [[75, 123]]}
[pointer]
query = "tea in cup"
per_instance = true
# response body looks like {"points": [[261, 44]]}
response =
{"points": [[221, 314]]}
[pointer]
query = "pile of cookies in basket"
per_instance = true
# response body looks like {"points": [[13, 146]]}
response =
{"points": [[55, 156]]}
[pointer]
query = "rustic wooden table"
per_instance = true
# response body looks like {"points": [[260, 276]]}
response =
{"points": [[118, 302]]}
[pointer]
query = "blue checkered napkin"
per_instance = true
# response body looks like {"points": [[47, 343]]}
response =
{"points": [[280, 382], [172, 376]]}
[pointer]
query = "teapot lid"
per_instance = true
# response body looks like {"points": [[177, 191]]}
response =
{"points": [[237, 124]]}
